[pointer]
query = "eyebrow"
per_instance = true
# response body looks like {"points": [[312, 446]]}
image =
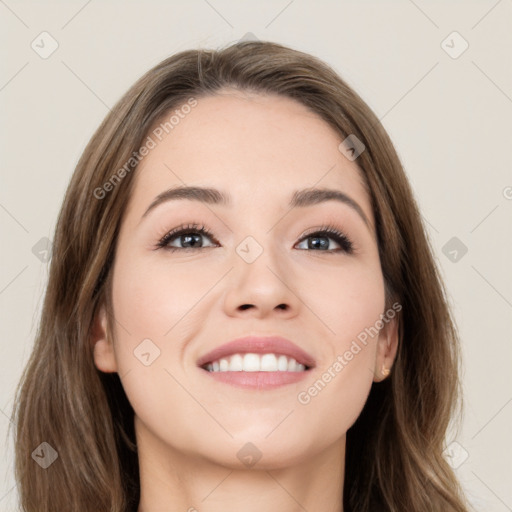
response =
{"points": [[299, 199]]}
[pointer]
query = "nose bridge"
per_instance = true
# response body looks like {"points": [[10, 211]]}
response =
{"points": [[255, 226], [260, 274], [257, 255]]}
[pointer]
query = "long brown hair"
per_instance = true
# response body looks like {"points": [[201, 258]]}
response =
{"points": [[394, 451]]}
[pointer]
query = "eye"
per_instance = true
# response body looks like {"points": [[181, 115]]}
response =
{"points": [[188, 235], [319, 240]]}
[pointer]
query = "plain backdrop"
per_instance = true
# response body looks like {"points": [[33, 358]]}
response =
{"points": [[437, 73]]}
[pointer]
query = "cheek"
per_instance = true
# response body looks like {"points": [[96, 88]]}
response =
{"points": [[350, 303], [152, 297], [334, 399], [347, 299], [156, 305]]}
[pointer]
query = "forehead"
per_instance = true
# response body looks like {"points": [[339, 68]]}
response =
{"points": [[257, 147]]}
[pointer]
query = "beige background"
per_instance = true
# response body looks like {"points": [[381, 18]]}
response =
{"points": [[450, 119]]}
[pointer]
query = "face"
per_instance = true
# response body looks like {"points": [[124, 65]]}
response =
{"points": [[261, 268]]}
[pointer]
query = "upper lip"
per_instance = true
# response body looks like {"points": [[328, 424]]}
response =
{"points": [[258, 345]]}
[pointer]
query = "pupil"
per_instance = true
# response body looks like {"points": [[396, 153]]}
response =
{"points": [[324, 243], [191, 238]]}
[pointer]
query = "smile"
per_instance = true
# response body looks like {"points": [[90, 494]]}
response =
{"points": [[251, 362]]}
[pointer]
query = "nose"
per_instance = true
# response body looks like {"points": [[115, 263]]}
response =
{"points": [[261, 288]]}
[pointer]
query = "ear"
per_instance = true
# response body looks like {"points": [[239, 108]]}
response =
{"points": [[104, 355], [387, 346]]}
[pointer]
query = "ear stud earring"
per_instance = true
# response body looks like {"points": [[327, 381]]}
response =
{"points": [[385, 371]]}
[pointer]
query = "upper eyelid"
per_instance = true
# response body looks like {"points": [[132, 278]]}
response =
{"points": [[208, 232]]}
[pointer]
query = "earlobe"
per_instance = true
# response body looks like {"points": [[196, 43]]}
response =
{"points": [[387, 346], [104, 355]]}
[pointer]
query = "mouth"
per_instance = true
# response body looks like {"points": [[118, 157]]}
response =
{"points": [[256, 362]]}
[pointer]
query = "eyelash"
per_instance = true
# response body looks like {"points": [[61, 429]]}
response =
{"points": [[340, 238]]}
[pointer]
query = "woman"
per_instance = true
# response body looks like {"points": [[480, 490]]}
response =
{"points": [[243, 310]]}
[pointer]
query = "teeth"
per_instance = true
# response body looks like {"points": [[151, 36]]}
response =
{"points": [[236, 364], [251, 363], [268, 363], [282, 363], [256, 363]]}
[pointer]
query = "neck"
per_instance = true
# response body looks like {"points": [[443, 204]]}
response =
{"points": [[173, 480]]}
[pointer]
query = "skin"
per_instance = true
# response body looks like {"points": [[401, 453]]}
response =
{"points": [[189, 428]]}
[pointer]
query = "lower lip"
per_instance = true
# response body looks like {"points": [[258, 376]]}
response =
{"points": [[258, 380]]}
